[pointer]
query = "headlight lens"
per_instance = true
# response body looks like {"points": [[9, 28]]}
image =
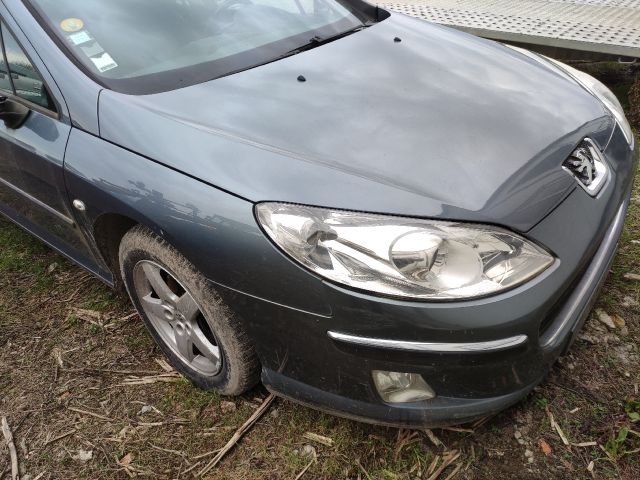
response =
{"points": [[606, 96], [403, 257]]}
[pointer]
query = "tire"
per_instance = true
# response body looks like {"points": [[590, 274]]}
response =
{"points": [[146, 261]]}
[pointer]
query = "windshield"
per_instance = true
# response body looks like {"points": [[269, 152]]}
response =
{"points": [[121, 41]]}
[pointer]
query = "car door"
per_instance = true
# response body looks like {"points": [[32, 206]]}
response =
{"points": [[33, 139]]}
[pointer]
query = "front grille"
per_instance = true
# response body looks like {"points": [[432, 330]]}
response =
{"points": [[587, 165], [582, 164]]}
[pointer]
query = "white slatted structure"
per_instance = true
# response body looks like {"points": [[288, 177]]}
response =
{"points": [[603, 26]]}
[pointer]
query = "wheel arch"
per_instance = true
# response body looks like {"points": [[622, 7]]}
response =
{"points": [[108, 231]]}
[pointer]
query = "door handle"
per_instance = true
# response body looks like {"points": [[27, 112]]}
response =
{"points": [[13, 114]]}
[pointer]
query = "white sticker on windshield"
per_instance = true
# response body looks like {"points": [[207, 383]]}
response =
{"points": [[80, 38], [104, 62], [92, 49]]}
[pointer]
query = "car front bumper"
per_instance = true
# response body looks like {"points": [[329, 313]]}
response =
{"points": [[489, 362], [479, 356]]}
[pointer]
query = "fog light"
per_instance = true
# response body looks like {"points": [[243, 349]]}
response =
{"points": [[399, 387]]}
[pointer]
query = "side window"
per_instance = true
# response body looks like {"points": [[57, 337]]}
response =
{"points": [[26, 81], [5, 82]]}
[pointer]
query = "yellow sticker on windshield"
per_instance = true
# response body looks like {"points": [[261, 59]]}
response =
{"points": [[72, 25]]}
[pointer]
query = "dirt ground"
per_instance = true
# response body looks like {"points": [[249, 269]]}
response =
{"points": [[87, 396]]}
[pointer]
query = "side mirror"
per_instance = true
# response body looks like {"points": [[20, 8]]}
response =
{"points": [[12, 113]]}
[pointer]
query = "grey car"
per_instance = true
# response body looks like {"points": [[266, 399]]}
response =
{"points": [[373, 215]]}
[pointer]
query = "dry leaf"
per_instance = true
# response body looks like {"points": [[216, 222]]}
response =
{"points": [[227, 407], [605, 318], [314, 437], [544, 446], [632, 276], [618, 320], [126, 460], [65, 396]]}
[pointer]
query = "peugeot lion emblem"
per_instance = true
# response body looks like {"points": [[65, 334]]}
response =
{"points": [[586, 164], [583, 164]]}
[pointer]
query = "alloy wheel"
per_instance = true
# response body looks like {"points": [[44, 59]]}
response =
{"points": [[177, 318]]}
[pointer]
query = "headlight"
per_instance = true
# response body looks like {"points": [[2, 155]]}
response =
{"points": [[606, 96], [403, 257]]}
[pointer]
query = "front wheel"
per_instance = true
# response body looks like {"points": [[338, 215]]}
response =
{"points": [[186, 317]]}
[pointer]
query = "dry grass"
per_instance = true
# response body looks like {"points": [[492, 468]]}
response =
{"points": [[87, 396]]}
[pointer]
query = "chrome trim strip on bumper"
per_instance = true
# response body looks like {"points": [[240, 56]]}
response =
{"points": [[410, 346]]}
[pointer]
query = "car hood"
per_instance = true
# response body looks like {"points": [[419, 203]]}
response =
{"points": [[440, 124]]}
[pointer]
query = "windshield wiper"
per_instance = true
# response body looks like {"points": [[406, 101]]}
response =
{"points": [[317, 41]]}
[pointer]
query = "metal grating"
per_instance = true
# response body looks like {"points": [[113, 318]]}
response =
{"points": [[603, 26]]}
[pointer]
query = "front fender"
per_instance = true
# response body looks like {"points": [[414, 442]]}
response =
{"points": [[215, 230]]}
